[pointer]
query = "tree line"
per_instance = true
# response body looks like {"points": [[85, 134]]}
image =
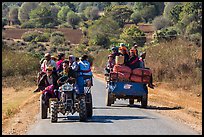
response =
{"points": [[103, 23]]}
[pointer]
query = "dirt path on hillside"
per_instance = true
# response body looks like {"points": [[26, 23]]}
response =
{"points": [[185, 108]]}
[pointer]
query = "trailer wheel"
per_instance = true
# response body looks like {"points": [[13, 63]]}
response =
{"points": [[109, 98], [144, 101], [131, 101]]}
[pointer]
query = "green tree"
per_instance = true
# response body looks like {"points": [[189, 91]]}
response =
{"points": [[92, 13], [193, 28], [102, 31], [5, 10], [175, 12], [82, 6], [62, 14], [190, 16], [148, 13], [13, 16], [4, 22], [119, 13], [148, 10], [192, 8], [136, 18], [25, 10], [70, 5], [133, 35], [101, 5], [161, 22], [42, 17], [168, 7], [73, 19]]}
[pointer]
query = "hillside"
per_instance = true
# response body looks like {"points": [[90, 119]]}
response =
{"points": [[72, 35]]}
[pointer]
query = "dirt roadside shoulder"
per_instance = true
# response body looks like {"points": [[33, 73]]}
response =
{"points": [[185, 108], [19, 122]]}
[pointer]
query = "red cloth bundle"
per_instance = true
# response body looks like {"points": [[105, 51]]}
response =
{"points": [[119, 75], [142, 72], [122, 68], [140, 79]]}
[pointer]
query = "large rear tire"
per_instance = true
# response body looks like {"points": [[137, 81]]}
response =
{"points": [[43, 107], [144, 101], [82, 110], [53, 111], [89, 105]]}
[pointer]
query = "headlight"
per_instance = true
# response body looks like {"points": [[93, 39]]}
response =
{"points": [[67, 87]]}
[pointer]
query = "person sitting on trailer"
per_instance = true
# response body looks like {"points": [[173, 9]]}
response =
{"points": [[133, 61], [123, 49], [115, 52], [109, 65], [142, 65]]}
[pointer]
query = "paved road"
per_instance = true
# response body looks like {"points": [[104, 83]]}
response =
{"points": [[118, 119]]}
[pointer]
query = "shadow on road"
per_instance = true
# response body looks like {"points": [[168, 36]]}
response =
{"points": [[101, 119], [164, 108], [149, 107], [98, 107], [110, 119]]}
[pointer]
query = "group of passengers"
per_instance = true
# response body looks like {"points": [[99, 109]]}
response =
{"points": [[131, 59], [57, 71]]}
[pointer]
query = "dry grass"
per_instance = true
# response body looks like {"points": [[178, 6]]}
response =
{"points": [[16, 63], [12, 100], [19, 71], [176, 62], [100, 60]]}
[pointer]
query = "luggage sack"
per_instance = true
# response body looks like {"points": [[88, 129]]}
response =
{"points": [[122, 68], [140, 79], [121, 76], [142, 72]]}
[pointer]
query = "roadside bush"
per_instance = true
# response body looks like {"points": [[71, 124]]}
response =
{"points": [[28, 24], [57, 33], [57, 40], [133, 35], [30, 35], [37, 36], [100, 39], [42, 38], [64, 25], [166, 34], [193, 28], [18, 63], [53, 49], [161, 22], [196, 38]]}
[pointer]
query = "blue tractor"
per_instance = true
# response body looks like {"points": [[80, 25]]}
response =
{"points": [[116, 89]]}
